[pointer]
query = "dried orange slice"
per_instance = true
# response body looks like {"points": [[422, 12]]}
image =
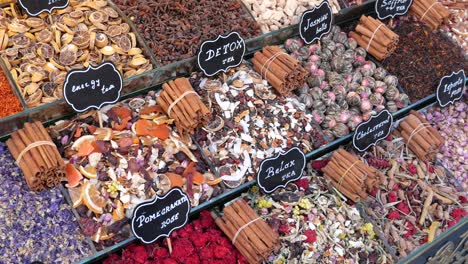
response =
{"points": [[175, 179], [103, 133], [155, 109], [118, 213], [76, 196], [92, 198], [147, 128], [76, 145], [89, 172], [85, 148], [197, 176], [73, 175]]}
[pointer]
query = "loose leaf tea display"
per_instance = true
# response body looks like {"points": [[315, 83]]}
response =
{"points": [[431, 12], [316, 22], [161, 216], [392, 8], [372, 131], [451, 88], [221, 54], [422, 58], [277, 172], [415, 202], [456, 27], [375, 37], [92, 87], [177, 29], [420, 137], [34, 8], [280, 69], [40, 51], [343, 88]]}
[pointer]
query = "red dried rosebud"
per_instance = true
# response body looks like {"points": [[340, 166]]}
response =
{"points": [[462, 199], [430, 168], [192, 259], [284, 229], [378, 163], [303, 184], [451, 223], [374, 192], [412, 169], [423, 240], [389, 138], [220, 251], [392, 197], [318, 165], [458, 213], [311, 236], [393, 215], [396, 187], [410, 229], [206, 253], [403, 208]]}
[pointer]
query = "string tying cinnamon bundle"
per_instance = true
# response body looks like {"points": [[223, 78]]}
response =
{"points": [[249, 233], [420, 137], [351, 176], [375, 37], [37, 156], [431, 12], [282, 71], [182, 103]]}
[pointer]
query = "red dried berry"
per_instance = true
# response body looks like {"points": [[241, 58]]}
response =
{"points": [[403, 208], [462, 199], [392, 197], [318, 165], [393, 215], [311, 236], [412, 169], [378, 163], [458, 213]]}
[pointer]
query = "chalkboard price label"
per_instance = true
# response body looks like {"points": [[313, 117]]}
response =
{"points": [[92, 87], [316, 22], [451, 88], [372, 131], [36, 7], [277, 172], [161, 216], [221, 54], [392, 8]]}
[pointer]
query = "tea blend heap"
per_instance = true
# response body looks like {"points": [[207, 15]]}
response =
{"points": [[276, 14], [430, 12], [375, 37], [422, 58], [39, 51], [343, 89], [174, 30], [457, 25]]}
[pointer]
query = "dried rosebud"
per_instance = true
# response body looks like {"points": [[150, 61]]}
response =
{"points": [[353, 99], [392, 197], [403, 208], [293, 44]]}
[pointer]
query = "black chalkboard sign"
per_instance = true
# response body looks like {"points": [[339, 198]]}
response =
{"points": [[378, 127], [451, 88], [316, 22], [161, 216], [392, 8], [221, 54], [92, 87], [36, 7], [277, 172]]}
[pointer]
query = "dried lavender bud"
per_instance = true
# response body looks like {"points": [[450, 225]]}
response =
{"points": [[360, 51], [392, 93], [351, 44], [319, 106], [353, 99], [376, 99], [340, 130], [380, 73], [335, 79], [293, 44], [316, 93], [306, 99], [391, 80], [340, 37], [329, 122], [318, 116]]}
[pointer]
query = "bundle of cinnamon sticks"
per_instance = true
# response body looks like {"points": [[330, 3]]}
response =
{"points": [[282, 71], [351, 176], [375, 37], [37, 156], [250, 234], [182, 103], [431, 12], [420, 137]]}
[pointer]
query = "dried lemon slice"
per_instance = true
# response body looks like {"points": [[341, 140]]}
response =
{"points": [[107, 50]]}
